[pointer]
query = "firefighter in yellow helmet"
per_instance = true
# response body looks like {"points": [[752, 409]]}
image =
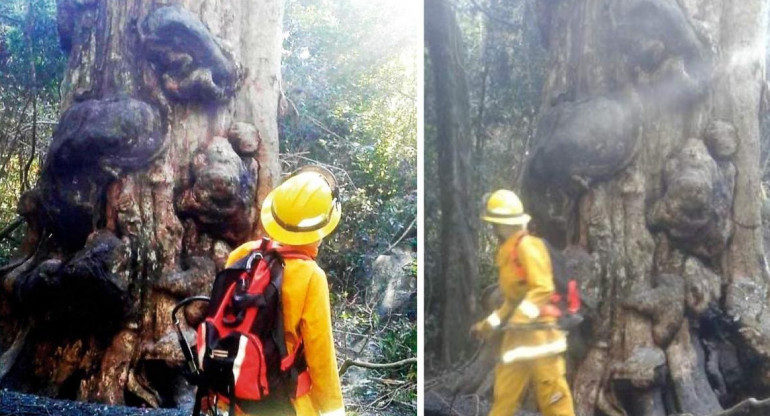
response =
{"points": [[300, 212], [526, 282]]}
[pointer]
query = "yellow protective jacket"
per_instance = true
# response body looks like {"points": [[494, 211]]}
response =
{"points": [[526, 282], [307, 314]]}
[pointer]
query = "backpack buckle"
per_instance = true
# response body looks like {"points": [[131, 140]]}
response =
{"points": [[254, 255]]}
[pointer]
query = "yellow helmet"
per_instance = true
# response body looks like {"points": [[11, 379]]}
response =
{"points": [[504, 207], [304, 208]]}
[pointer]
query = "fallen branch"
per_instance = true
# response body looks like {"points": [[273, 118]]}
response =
{"points": [[745, 405], [355, 363], [741, 408], [382, 402], [391, 246]]}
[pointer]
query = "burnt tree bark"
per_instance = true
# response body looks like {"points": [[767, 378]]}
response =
{"points": [[455, 286], [166, 146], [645, 169]]}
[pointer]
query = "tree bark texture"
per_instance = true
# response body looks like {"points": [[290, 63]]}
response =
{"points": [[165, 148], [455, 285], [645, 168]]}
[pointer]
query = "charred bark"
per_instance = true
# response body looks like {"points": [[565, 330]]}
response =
{"points": [[165, 148]]}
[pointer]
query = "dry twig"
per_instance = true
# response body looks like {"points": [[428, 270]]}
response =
{"points": [[364, 364]]}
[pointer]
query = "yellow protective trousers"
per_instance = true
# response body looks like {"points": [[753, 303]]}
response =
{"points": [[547, 376]]}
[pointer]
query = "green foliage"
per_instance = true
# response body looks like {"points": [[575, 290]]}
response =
{"points": [[505, 65], [398, 344], [31, 68], [349, 72], [9, 196], [350, 82], [362, 333], [30, 56]]}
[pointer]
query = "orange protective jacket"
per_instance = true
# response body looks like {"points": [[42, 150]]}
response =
{"points": [[307, 315]]}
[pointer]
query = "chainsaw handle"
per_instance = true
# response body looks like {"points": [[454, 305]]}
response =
{"points": [[192, 366], [185, 302]]}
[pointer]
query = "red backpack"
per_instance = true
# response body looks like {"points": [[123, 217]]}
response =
{"points": [[241, 357], [565, 301]]}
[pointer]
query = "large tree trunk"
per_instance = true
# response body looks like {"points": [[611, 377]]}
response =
{"points": [[646, 166], [454, 288], [645, 169], [166, 146]]}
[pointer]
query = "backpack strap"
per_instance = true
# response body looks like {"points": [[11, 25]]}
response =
{"points": [[199, 395], [276, 283], [231, 398], [516, 248], [288, 361], [291, 363], [295, 366]]}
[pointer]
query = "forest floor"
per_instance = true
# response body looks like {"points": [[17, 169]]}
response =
{"points": [[362, 335], [440, 402], [18, 404]]}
